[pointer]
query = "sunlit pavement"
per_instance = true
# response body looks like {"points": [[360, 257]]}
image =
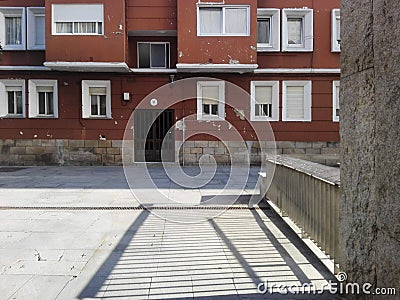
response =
{"points": [[78, 232]]}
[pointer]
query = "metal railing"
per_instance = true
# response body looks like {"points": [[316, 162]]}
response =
{"points": [[309, 200]]}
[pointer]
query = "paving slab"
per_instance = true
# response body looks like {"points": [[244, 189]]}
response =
{"points": [[80, 233]]}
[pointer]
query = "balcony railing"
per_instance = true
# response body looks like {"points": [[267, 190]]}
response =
{"points": [[308, 193]]}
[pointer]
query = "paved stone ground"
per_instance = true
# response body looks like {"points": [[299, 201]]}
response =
{"points": [[49, 249]]}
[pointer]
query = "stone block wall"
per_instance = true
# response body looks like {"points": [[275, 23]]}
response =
{"points": [[60, 152], [109, 152], [192, 151]]}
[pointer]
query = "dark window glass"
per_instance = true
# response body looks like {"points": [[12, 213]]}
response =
{"points": [[144, 55]]}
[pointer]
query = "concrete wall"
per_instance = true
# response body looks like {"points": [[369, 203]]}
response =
{"points": [[370, 118]]}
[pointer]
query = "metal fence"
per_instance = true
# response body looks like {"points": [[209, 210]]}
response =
{"points": [[312, 203]]}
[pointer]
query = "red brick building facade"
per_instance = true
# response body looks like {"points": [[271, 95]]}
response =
{"points": [[73, 71]]}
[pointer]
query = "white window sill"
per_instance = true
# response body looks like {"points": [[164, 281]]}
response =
{"points": [[13, 116], [98, 118], [43, 117], [263, 119], [264, 48]]}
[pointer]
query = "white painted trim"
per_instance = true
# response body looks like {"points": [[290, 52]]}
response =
{"points": [[275, 100], [24, 68], [167, 71], [221, 101], [296, 71], [32, 13], [34, 101], [4, 83], [119, 67], [308, 36], [307, 99], [12, 12], [216, 68], [86, 84], [335, 46], [335, 84], [275, 29]]}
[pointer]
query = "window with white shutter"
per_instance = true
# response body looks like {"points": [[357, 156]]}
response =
{"points": [[96, 99], [77, 19], [43, 98], [335, 101], [296, 101], [264, 101], [210, 100], [12, 98]]}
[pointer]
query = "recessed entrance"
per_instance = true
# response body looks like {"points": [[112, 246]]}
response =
{"points": [[152, 128]]}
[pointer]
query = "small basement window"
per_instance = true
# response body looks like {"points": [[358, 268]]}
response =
{"points": [[96, 99], [210, 100]]}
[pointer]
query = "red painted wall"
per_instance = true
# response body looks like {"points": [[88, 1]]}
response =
{"points": [[110, 47], [321, 57], [151, 15], [22, 58], [70, 125], [215, 49]]}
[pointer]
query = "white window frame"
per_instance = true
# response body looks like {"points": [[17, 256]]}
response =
{"points": [[83, 16], [167, 58], [33, 84], [4, 83], [223, 33], [32, 13], [86, 101], [12, 12], [275, 100], [335, 17], [335, 99], [306, 14], [221, 101], [274, 15], [306, 84]]}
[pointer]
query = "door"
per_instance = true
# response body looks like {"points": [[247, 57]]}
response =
{"points": [[152, 128]]}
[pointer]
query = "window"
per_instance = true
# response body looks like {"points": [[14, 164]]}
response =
{"points": [[78, 19], [96, 99], [12, 98], [297, 31], [36, 28], [12, 28], [43, 99], [268, 29], [153, 55], [264, 101], [335, 30], [296, 101], [223, 20], [210, 100], [336, 106]]}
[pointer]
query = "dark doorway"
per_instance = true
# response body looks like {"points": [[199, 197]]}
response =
{"points": [[151, 128]]}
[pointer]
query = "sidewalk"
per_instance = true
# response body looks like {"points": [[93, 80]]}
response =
{"points": [[77, 233]]}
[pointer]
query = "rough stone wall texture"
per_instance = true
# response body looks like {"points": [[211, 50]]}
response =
{"points": [[370, 142], [109, 152]]}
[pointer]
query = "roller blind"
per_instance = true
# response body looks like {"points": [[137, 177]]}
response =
{"points": [[97, 91], [210, 94], [263, 94], [295, 102], [78, 12], [44, 89]]}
